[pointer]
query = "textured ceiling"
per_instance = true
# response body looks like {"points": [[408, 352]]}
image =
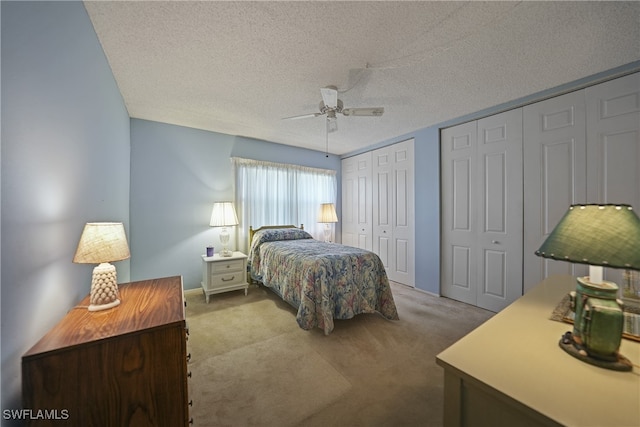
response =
{"points": [[240, 67]]}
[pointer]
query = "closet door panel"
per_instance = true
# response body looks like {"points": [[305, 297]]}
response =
{"points": [[554, 177], [357, 201], [613, 145], [383, 207], [403, 214], [613, 141], [499, 236], [459, 212], [393, 214], [349, 189]]}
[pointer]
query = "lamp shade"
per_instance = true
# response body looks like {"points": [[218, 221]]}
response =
{"points": [[600, 235], [327, 213], [102, 242], [223, 215]]}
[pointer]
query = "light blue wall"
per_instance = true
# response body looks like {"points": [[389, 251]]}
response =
{"points": [[65, 161], [177, 173]]}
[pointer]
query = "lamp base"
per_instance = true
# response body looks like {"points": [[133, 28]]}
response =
{"points": [[618, 362], [104, 288]]}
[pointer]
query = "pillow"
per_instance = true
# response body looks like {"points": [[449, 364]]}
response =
{"points": [[272, 235]]}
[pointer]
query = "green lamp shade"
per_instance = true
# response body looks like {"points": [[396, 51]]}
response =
{"points": [[603, 235]]}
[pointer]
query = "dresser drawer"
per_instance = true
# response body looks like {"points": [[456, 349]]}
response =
{"points": [[226, 266]]}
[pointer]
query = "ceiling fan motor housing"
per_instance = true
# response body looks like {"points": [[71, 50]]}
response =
{"points": [[325, 109]]}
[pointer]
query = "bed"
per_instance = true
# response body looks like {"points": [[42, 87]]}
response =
{"points": [[323, 281]]}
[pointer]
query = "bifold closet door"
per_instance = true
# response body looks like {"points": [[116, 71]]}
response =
{"points": [[555, 177], [356, 201], [613, 141], [582, 147], [482, 202], [458, 254], [393, 210]]}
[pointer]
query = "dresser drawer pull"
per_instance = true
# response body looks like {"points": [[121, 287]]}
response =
{"points": [[228, 280], [191, 421], [191, 402], [189, 357]]}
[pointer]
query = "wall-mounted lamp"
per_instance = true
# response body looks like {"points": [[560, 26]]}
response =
{"points": [[102, 243]]}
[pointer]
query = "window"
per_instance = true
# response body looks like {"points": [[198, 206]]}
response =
{"points": [[280, 194]]}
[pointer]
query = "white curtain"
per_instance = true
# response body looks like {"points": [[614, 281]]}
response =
{"points": [[280, 194]]}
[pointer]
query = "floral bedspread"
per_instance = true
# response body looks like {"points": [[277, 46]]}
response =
{"points": [[324, 281]]}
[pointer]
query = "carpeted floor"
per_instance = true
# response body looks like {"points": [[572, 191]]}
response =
{"points": [[252, 365]]}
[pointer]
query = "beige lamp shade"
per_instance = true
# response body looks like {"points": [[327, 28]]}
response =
{"points": [[327, 213], [223, 215], [102, 242]]}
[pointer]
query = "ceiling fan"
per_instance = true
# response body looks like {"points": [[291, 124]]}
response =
{"points": [[331, 105]]}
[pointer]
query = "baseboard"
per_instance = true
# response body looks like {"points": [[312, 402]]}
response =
{"points": [[193, 291]]}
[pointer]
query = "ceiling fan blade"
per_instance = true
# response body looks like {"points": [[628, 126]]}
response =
{"points": [[303, 116], [330, 96], [376, 111]]}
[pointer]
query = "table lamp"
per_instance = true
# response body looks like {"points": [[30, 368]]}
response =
{"points": [[327, 216], [224, 215], [600, 236], [102, 243]]}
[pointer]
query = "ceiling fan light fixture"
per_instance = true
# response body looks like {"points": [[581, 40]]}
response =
{"points": [[332, 123]]}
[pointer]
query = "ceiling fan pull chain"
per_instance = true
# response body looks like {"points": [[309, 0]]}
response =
{"points": [[327, 138]]}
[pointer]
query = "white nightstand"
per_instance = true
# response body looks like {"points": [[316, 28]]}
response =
{"points": [[224, 274]]}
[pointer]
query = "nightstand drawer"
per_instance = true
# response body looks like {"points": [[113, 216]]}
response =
{"points": [[226, 266], [222, 280]]}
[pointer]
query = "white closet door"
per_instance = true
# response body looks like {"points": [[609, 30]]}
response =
{"points": [[554, 177], [404, 213], [383, 207], [613, 145], [357, 201], [482, 202], [393, 210], [458, 146], [613, 141], [500, 209]]}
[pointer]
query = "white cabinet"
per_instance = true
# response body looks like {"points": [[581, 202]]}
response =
{"points": [[224, 274]]}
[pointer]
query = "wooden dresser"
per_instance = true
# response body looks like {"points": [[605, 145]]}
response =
{"points": [[125, 366]]}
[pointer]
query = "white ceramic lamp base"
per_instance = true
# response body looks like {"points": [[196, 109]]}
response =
{"points": [[104, 288]]}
